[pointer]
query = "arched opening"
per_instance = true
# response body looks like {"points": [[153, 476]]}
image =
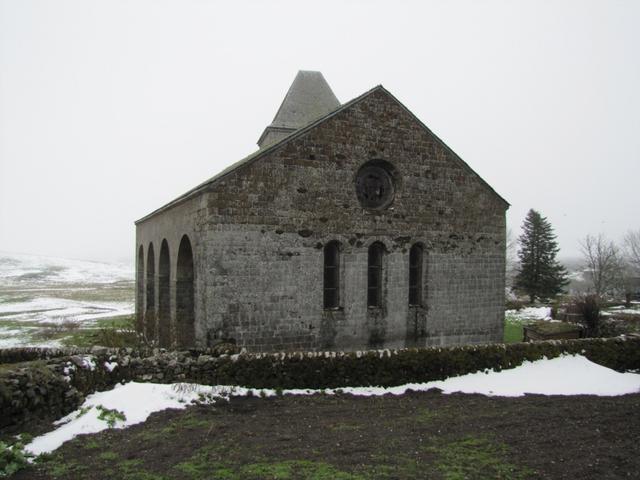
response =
{"points": [[374, 275], [150, 311], [332, 275], [185, 316], [140, 290], [164, 311], [415, 275]]}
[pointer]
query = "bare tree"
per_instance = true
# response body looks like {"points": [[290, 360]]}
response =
{"points": [[632, 249], [603, 263]]}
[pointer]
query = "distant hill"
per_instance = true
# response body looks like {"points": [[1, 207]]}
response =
{"points": [[22, 269]]}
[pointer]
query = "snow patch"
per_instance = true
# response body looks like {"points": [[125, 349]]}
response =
{"points": [[18, 269], [566, 375], [135, 400], [110, 366], [621, 309], [529, 314], [59, 310]]}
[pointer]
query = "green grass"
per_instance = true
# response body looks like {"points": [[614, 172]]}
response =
{"points": [[226, 458], [342, 427], [477, 458], [108, 455], [546, 327], [115, 332], [71, 333], [201, 467], [513, 331], [109, 332]]}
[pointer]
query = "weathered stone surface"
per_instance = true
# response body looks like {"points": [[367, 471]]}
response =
{"points": [[258, 233]]}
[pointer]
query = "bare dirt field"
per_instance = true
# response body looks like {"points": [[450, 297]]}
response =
{"points": [[417, 435]]}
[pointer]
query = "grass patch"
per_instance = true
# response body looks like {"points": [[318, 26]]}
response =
{"points": [[425, 415], [547, 327], [395, 466], [296, 469], [60, 467], [108, 456], [12, 458], [114, 332], [513, 331], [477, 458], [342, 427], [201, 468]]}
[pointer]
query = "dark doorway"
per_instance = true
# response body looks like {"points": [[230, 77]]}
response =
{"points": [[185, 317], [140, 290], [164, 310], [150, 312]]}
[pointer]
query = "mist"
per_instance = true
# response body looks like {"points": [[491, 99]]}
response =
{"points": [[109, 110]]}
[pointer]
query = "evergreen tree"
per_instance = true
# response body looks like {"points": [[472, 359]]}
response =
{"points": [[540, 275]]}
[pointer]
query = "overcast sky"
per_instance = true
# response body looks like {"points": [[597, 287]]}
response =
{"points": [[109, 109]]}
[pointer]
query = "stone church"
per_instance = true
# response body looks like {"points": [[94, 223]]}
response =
{"points": [[353, 226]]}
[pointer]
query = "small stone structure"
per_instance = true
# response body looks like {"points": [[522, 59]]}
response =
{"points": [[353, 226], [552, 330]]}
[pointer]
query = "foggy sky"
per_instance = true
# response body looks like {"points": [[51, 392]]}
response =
{"points": [[110, 109]]}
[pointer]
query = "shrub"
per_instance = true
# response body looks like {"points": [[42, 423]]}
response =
{"points": [[558, 307], [514, 305], [12, 458], [589, 307], [110, 416], [112, 336]]}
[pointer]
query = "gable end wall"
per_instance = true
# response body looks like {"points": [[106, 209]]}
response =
{"points": [[260, 233]]}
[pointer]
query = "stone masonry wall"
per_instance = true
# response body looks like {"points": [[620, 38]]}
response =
{"points": [[258, 235]]}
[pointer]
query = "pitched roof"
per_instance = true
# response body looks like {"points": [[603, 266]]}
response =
{"points": [[297, 133], [309, 97]]}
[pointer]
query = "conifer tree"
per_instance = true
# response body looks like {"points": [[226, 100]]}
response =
{"points": [[540, 275]]}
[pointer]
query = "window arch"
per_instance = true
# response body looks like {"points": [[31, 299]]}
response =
{"points": [[415, 274], [185, 295], [164, 308], [332, 275], [150, 311], [374, 275], [140, 290]]}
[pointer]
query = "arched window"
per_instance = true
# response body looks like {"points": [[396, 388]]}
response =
{"points": [[374, 275], [331, 275], [415, 275]]}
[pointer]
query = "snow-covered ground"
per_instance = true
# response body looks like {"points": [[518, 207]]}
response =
{"points": [[633, 310], [567, 375], [32, 270], [529, 314], [58, 310], [37, 293]]}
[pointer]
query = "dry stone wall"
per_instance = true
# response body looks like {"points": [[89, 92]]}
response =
{"points": [[55, 386]]}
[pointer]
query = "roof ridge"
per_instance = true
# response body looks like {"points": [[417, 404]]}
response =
{"points": [[443, 144], [249, 159]]}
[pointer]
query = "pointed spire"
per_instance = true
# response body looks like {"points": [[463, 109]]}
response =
{"points": [[308, 99]]}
